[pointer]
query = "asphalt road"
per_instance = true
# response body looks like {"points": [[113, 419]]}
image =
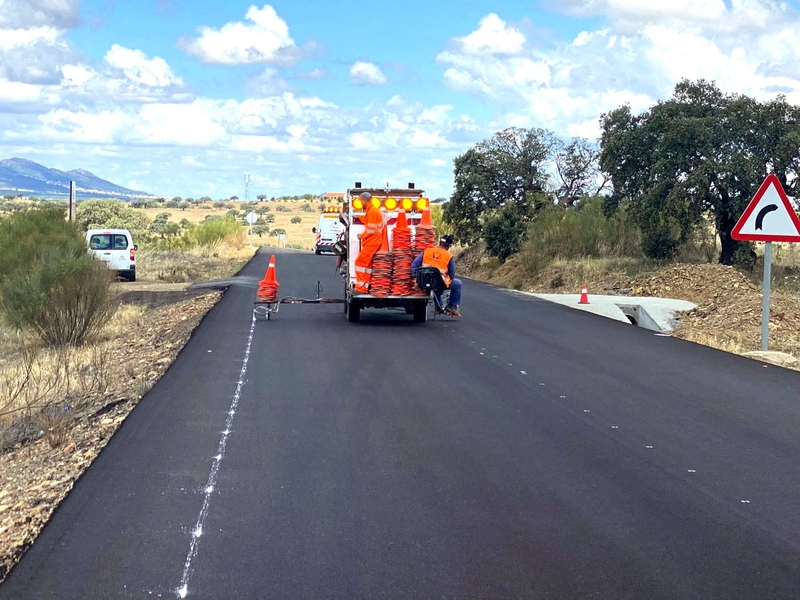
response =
{"points": [[526, 451]]}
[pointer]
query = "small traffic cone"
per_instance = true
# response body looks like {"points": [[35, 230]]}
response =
{"points": [[269, 276], [584, 296], [402, 223], [385, 242], [268, 287], [426, 218]]}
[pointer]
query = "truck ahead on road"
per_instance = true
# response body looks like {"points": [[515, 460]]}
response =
{"points": [[328, 230], [391, 201]]}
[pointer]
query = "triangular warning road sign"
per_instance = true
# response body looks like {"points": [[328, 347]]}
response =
{"points": [[769, 217]]}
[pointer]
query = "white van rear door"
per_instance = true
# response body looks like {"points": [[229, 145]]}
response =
{"points": [[101, 246]]}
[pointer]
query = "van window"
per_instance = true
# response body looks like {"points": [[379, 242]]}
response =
{"points": [[120, 242], [101, 241]]}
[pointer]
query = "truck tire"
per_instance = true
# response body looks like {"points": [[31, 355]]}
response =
{"points": [[316, 251], [421, 312], [354, 312]]}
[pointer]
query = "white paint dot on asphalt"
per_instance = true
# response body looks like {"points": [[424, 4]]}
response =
{"points": [[209, 489], [218, 457], [541, 384], [481, 353], [494, 355], [649, 447], [562, 397], [198, 532], [209, 351], [182, 592], [745, 501], [691, 471], [586, 410], [615, 427], [524, 372]]}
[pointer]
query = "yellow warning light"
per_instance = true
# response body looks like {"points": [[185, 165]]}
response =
{"points": [[422, 203], [358, 204], [408, 204], [390, 203], [376, 202]]}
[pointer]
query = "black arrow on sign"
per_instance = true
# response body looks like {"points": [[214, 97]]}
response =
{"points": [[763, 213]]}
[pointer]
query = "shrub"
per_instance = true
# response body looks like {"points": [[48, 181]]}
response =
{"points": [[583, 231], [282, 208], [503, 233], [277, 232], [209, 232], [296, 220], [101, 214], [24, 234], [65, 298]]}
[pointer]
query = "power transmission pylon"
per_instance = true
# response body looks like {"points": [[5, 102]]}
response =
{"points": [[247, 188]]}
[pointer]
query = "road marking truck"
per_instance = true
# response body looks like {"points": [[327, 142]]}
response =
{"points": [[391, 201]]}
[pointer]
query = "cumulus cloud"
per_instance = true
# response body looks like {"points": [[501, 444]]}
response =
{"points": [[264, 40], [367, 73], [637, 57], [140, 69], [24, 14], [493, 36]]}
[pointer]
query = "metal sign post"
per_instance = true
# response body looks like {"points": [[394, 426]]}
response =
{"points": [[251, 218], [72, 204], [765, 299]]}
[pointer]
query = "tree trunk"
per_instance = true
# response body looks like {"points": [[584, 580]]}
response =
{"points": [[724, 227]]}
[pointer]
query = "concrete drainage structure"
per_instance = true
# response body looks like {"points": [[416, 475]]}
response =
{"points": [[655, 314]]}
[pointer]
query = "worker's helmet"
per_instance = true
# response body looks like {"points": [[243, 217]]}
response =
{"points": [[366, 197], [446, 240]]}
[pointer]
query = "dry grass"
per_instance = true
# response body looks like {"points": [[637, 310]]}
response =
{"points": [[724, 343], [297, 234]]}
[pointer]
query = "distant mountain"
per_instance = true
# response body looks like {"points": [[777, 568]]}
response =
{"points": [[21, 176]]}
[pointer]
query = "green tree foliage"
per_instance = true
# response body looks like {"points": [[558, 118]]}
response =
{"points": [[159, 224], [510, 168], [49, 283], [700, 153], [208, 233], [281, 208], [296, 220], [277, 232], [306, 207], [260, 229], [111, 214], [503, 232]]}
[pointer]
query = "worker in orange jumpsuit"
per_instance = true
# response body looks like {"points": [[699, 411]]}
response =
{"points": [[371, 241]]}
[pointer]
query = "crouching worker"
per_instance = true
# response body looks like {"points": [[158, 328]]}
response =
{"points": [[440, 258]]}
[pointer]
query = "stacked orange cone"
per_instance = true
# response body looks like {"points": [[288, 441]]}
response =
{"points": [[402, 257], [268, 287], [425, 233], [584, 296], [381, 281]]}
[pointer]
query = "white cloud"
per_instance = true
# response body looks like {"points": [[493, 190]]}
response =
{"points": [[493, 36], [367, 73], [264, 40], [139, 69], [23, 14], [636, 58]]}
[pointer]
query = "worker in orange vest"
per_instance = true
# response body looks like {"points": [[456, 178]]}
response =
{"points": [[371, 241], [440, 258]]}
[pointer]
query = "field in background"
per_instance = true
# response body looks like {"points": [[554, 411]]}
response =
{"points": [[298, 235]]}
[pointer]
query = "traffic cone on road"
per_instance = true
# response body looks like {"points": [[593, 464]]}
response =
{"points": [[268, 287], [584, 296]]}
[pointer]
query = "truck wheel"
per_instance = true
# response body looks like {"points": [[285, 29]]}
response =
{"points": [[317, 252], [421, 312], [354, 312]]}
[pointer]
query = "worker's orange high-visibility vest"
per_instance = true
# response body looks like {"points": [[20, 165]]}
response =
{"points": [[371, 241], [438, 258]]}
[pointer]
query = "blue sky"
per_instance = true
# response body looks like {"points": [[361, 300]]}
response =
{"points": [[183, 98]]}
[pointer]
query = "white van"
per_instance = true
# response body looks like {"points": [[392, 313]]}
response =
{"points": [[328, 230], [114, 247]]}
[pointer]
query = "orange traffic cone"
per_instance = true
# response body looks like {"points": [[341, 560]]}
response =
{"points": [[402, 223], [268, 287], [269, 276], [385, 243], [584, 296], [426, 218]]}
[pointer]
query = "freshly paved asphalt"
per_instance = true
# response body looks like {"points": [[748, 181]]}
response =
{"points": [[526, 451]]}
